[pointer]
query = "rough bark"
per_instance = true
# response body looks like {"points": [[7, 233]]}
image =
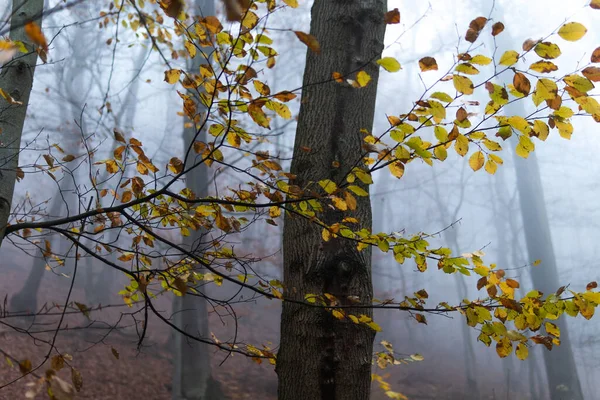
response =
{"points": [[192, 372], [561, 370], [16, 79], [321, 357]]}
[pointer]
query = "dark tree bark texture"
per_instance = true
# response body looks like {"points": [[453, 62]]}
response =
{"points": [[321, 357]]}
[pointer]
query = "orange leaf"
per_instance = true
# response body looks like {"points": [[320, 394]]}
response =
{"points": [[392, 17], [34, 33], [309, 40]]}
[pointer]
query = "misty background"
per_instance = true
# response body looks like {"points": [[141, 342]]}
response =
{"points": [[471, 210]]}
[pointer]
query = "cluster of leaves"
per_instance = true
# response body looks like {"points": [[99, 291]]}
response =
{"points": [[226, 98], [228, 87], [556, 100]]}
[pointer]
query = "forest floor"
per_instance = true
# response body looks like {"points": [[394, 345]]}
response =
{"points": [[145, 373]]}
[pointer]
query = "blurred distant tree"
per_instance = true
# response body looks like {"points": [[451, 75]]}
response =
{"points": [[16, 81]]}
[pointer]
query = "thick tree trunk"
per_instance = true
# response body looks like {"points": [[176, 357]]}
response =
{"points": [[16, 79], [192, 372], [321, 357]]}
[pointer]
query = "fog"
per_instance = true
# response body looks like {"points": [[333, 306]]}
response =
{"points": [[93, 84]]}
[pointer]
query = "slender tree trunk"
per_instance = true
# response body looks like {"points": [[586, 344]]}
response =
{"points": [[560, 364], [16, 79], [451, 238], [321, 357], [561, 370], [192, 372]]}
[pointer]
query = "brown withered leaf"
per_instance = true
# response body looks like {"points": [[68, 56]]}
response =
{"points": [[595, 55], [521, 83], [392, 17], [428, 64], [497, 28], [309, 40]]}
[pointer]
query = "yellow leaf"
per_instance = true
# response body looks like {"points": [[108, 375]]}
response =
{"points": [[357, 190], [552, 329], [519, 123], [522, 351], [594, 297], [338, 314], [476, 161], [274, 211], [572, 31], [440, 153], [261, 88], [504, 347], [466, 68], [445, 97], [463, 84], [546, 89], [540, 129], [543, 67], [326, 235], [390, 64], [362, 78], [491, 167], [172, 76], [250, 20], [112, 167], [579, 82], [281, 109], [328, 185], [525, 146], [339, 203], [363, 176], [480, 60], [291, 3], [397, 169], [565, 129], [589, 104], [461, 145], [509, 58], [547, 50], [126, 196], [374, 326], [191, 49]]}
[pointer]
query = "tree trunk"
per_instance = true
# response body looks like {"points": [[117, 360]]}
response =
{"points": [[561, 370], [321, 357], [192, 372], [16, 79]]}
